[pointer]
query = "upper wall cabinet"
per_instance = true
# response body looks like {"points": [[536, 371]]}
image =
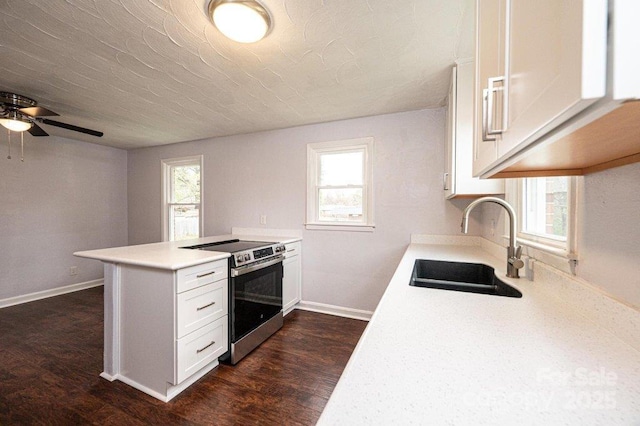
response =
{"points": [[558, 97], [458, 178], [491, 45]]}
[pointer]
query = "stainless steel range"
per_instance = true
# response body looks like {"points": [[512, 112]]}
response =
{"points": [[255, 292]]}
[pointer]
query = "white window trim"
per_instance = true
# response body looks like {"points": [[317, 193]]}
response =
{"points": [[166, 187], [313, 151], [566, 250]]}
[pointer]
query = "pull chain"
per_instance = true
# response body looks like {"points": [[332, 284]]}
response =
{"points": [[22, 146], [9, 139]]}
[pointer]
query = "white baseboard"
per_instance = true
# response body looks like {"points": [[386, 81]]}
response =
{"points": [[17, 300], [171, 391], [334, 310], [109, 377]]}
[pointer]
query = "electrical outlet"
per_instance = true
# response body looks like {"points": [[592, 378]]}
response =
{"points": [[493, 227], [263, 219], [73, 270]]}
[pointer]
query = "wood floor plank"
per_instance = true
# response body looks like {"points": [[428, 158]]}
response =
{"points": [[51, 358]]}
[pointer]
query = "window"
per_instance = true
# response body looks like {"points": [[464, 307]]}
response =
{"points": [[182, 198], [339, 185], [546, 209]]}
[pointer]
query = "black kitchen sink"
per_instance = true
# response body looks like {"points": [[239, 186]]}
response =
{"points": [[460, 276]]}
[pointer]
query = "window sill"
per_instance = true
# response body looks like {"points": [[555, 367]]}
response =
{"points": [[556, 257], [339, 227], [556, 251]]}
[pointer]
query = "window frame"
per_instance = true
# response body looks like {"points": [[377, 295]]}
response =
{"points": [[566, 249], [314, 152], [167, 165]]}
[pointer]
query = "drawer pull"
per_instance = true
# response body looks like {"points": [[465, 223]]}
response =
{"points": [[205, 275], [209, 345], [205, 306], [290, 250]]}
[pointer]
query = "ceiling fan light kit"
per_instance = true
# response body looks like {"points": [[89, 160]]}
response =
{"points": [[244, 21], [16, 124]]}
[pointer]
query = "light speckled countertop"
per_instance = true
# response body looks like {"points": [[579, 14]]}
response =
{"points": [[442, 357], [169, 255]]}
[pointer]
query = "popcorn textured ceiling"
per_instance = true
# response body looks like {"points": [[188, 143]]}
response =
{"points": [[153, 72]]}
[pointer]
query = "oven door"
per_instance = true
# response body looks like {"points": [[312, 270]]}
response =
{"points": [[256, 297]]}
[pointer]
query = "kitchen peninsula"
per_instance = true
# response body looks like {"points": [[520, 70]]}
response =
{"points": [[166, 312]]}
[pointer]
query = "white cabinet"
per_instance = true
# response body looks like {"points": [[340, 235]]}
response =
{"points": [[556, 65], [490, 65], [173, 325], [292, 277], [550, 105], [459, 181], [200, 306], [200, 348]]}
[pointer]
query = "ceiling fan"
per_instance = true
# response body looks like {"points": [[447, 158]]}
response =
{"points": [[19, 113]]}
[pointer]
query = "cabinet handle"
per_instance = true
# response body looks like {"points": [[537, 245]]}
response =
{"points": [[485, 134], [491, 91], [290, 250], [446, 178], [208, 346], [207, 274], [205, 306]]}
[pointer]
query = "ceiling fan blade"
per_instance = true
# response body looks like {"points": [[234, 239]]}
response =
{"points": [[37, 111], [71, 127], [36, 130]]}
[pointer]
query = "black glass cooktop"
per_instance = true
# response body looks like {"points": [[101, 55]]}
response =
{"points": [[231, 246]]}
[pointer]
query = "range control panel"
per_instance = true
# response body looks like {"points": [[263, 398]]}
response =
{"points": [[249, 256]]}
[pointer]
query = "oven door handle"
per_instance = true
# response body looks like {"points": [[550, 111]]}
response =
{"points": [[236, 272]]}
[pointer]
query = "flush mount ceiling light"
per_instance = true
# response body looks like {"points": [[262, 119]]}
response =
{"points": [[244, 21]]}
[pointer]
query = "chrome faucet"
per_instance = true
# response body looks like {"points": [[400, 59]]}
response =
{"points": [[513, 251]]}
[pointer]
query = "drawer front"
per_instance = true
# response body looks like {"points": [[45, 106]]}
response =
{"points": [[201, 347], [200, 306], [199, 275], [292, 249]]}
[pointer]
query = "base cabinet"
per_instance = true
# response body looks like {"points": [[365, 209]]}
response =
{"points": [[292, 278], [169, 327], [200, 348]]}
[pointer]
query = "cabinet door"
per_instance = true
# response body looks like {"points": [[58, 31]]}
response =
{"points": [[292, 276], [459, 181], [556, 61], [490, 63], [291, 283], [449, 161]]}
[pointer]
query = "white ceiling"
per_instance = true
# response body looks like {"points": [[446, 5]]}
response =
{"points": [[153, 72]]}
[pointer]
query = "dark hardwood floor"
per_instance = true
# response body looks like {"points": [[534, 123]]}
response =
{"points": [[51, 356]]}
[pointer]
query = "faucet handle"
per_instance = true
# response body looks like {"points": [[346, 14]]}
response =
{"points": [[516, 262]]}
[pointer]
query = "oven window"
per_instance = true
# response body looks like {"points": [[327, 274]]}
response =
{"points": [[257, 297]]}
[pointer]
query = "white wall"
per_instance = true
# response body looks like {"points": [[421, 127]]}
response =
{"points": [[609, 232], [66, 196], [246, 176]]}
